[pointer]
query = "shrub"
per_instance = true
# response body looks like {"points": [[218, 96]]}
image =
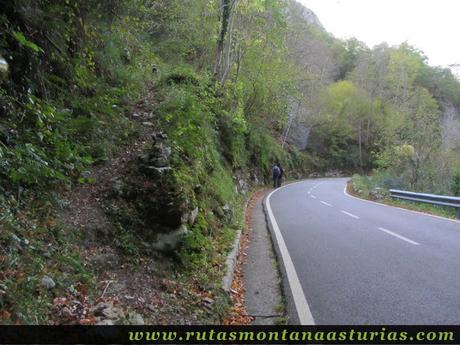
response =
{"points": [[456, 187]]}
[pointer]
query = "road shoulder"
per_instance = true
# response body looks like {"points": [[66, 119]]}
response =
{"points": [[264, 297]]}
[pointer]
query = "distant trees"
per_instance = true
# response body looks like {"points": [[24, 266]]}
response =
{"points": [[390, 114], [350, 123]]}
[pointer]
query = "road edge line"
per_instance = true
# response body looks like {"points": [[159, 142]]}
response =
{"points": [[400, 208], [304, 314]]}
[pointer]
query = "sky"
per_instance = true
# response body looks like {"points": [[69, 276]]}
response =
{"points": [[433, 26]]}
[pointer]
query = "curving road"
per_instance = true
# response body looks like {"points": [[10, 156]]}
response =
{"points": [[357, 262]]}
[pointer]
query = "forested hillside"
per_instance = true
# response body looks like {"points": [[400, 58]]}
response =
{"points": [[131, 131], [382, 109]]}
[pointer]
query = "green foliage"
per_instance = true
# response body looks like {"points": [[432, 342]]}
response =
{"points": [[456, 187], [264, 150], [361, 185], [187, 113], [376, 187], [349, 52], [78, 86], [403, 67], [441, 83], [226, 84], [19, 36], [30, 167], [30, 250], [447, 212], [76, 67], [191, 112], [349, 127], [387, 115], [233, 125]]}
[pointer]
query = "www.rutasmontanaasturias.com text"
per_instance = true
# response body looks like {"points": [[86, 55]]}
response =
{"points": [[286, 335]]}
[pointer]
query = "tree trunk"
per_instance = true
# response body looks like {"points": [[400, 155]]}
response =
{"points": [[227, 52], [222, 62]]}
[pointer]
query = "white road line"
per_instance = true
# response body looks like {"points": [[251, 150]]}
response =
{"points": [[300, 302], [316, 186], [399, 208], [350, 214], [399, 236], [325, 203], [313, 197]]}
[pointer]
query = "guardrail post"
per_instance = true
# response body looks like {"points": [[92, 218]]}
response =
{"points": [[458, 213]]}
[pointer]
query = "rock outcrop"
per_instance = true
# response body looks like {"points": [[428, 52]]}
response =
{"points": [[149, 201], [295, 8], [3, 69]]}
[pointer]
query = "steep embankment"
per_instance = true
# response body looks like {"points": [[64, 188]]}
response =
{"points": [[126, 158]]}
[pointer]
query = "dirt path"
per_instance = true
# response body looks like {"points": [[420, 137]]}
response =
{"points": [[84, 211]]}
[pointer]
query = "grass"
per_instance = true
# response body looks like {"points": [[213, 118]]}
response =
{"points": [[447, 212]]}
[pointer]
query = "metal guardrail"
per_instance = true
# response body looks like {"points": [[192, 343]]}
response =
{"points": [[433, 199]]}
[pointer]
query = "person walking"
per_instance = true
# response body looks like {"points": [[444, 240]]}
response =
{"points": [[280, 179], [276, 175]]}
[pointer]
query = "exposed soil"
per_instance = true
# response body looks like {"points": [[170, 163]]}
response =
{"points": [[84, 211]]}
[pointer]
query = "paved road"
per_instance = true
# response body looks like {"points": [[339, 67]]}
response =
{"points": [[363, 263]]}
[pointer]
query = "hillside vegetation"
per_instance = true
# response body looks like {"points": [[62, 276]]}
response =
{"points": [[138, 126]]}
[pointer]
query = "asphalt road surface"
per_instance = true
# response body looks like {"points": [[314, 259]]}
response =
{"points": [[359, 262]]}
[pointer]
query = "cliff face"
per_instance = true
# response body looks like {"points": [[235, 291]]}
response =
{"points": [[312, 52], [450, 126], [296, 9]]}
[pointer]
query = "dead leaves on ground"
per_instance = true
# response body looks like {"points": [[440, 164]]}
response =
{"points": [[238, 314]]}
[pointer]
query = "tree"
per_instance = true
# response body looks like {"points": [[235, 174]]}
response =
{"points": [[224, 59], [349, 111]]}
